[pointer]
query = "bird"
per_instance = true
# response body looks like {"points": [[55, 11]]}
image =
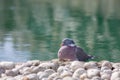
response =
{"points": [[70, 51]]}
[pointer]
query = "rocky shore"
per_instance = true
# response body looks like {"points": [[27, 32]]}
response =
{"points": [[56, 70]]}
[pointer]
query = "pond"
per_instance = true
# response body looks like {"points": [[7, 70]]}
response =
{"points": [[33, 29]]}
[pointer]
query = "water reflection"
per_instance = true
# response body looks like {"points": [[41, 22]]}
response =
{"points": [[33, 29], [9, 53]]}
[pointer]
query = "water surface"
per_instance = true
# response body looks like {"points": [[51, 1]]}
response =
{"points": [[33, 29]]}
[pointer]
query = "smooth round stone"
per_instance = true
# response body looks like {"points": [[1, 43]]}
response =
{"points": [[83, 76], [90, 65], [107, 64], [66, 73], [49, 65], [68, 78], [52, 76], [19, 77], [115, 75], [105, 76], [25, 71], [49, 71], [2, 70], [93, 72], [61, 69], [32, 77], [96, 78], [78, 72], [11, 73], [116, 65], [33, 62], [7, 65], [76, 64], [35, 69]]}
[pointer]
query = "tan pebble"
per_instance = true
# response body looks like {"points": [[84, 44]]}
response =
{"points": [[78, 72], [83, 76], [25, 78], [90, 65], [76, 64], [93, 72]]}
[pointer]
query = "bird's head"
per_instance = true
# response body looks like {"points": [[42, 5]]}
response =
{"points": [[68, 42]]}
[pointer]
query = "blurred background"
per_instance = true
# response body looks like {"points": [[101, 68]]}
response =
{"points": [[33, 29]]}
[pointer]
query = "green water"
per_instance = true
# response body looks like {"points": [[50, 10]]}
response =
{"points": [[33, 29]]}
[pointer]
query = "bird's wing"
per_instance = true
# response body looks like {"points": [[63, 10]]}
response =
{"points": [[81, 55]]}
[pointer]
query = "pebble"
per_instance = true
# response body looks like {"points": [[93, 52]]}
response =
{"points": [[55, 70]]}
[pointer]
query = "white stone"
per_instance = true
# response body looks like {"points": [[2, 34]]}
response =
{"points": [[90, 65], [115, 75], [49, 65], [32, 77], [61, 69], [107, 64], [93, 72], [10, 73], [76, 64], [68, 78], [78, 73], [116, 65], [34, 62], [52, 76], [66, 73], [83, 76], [105, 76], [7, 65], [96, 78], [49, 71]]}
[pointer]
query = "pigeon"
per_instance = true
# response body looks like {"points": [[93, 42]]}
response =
{"points": [[70, 51]]}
